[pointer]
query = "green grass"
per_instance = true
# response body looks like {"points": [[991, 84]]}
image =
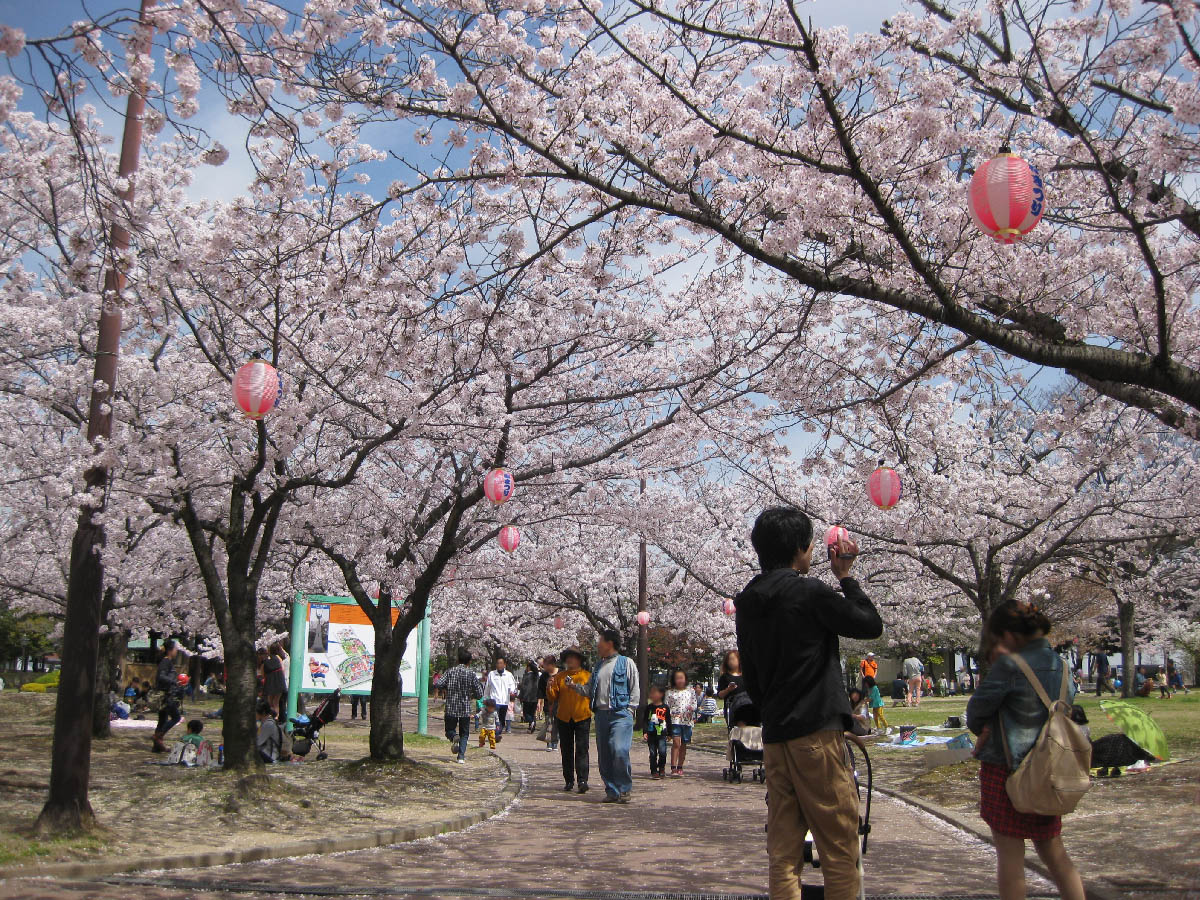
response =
{"points": [[14, 849]]}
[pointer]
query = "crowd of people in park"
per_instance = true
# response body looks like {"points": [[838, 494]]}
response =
{"points": [[785, 677]]}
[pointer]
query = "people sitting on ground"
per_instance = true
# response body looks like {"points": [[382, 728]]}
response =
{"points": [[899, 691], [860, 720], [212, 685], [1141, 684], [193, 736], [269, 741], [1175, 679]]}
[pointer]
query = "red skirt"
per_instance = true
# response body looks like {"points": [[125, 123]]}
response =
{"points": [[997, 810]]}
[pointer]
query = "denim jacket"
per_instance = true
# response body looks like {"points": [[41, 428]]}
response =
{"points": [[1006, 695]]}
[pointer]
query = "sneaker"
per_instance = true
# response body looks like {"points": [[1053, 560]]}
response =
{"points": [[624, 798], [583, 787], [461, 761], [569, 787], [609, 798]]}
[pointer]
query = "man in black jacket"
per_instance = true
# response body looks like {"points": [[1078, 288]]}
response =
{"points": [[787, 631]]}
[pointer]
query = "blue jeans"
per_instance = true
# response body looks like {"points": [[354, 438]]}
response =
{"points": [[614, 738], [458, 729]]}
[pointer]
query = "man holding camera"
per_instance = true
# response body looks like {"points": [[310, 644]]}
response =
{"points": [[787, 630]]}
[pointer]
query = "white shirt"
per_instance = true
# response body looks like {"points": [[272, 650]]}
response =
{"points": [[500, 687]]}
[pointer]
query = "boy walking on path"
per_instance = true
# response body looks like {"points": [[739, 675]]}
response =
{"points": [[462, 690], [787, 631], [487, 723]]}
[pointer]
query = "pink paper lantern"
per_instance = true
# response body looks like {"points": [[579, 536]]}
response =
{"points": [[558, 623], [257, 387], [510, 538], [1006, 198], [834, 534], [643, 618], [499, 486], [883, 487], [729, 607]]}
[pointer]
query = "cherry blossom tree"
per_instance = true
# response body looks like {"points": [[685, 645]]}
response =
{"points": [[837, 161]]}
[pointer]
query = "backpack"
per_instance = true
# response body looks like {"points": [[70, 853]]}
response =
{"points": [[1056, 773]]}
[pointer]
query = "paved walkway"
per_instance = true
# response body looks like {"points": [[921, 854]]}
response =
{"points": [[692, 836]]}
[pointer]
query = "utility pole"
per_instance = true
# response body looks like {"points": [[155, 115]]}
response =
{"points": [[67, 806], [643, 645]]}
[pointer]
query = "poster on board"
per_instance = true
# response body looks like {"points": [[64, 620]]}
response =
{"points": [[339, 650]]}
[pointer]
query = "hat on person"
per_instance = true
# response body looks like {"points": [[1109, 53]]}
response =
{"points": [[869, 655], [572, 651]]}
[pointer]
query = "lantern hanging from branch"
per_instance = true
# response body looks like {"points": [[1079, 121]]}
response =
{"points": [[728, 607], [558, 623], [1006, 197], [257, 387], [510, 538], [883, 487], [499, 486], [643, 618]]}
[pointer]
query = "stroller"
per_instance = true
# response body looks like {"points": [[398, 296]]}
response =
{"points": [[306, 730], [853, 742], [745, 748]]}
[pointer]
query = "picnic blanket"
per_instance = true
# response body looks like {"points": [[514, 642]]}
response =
{"points": [[919, 740]]}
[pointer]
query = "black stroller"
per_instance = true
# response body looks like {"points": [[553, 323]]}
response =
{"points": [[745, 748], [306, 730]]}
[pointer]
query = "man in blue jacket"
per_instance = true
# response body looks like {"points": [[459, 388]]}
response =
{"points": [[614, 691], [787, 630]]}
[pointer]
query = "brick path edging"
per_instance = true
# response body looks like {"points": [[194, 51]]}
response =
{"points": [[316, 846], [1093, 891]]}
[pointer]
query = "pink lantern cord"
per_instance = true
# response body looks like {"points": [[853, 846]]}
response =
{"points": [[256, 388], [1006, 198]]}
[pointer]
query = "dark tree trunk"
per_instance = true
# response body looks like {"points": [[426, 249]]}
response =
{"points": [[67, 807], [108, 679], [387, 726], [238, 724], [1125, 618]]}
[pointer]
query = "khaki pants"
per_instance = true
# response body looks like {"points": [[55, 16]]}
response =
{"points": [[810, 787]]}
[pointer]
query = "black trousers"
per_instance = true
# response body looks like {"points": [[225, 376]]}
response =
{"points": [[168, 716], [573, 744], [354, 704]]}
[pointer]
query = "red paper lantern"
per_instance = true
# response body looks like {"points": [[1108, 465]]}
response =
{"points": [[257, 387], [883, 487], [499, 486], [728, 607], [1006, 198], [558, 623], [643, 618], [509, 538], [834, 534]]}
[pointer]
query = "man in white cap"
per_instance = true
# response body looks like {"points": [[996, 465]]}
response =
{"points": [[869, 668]]}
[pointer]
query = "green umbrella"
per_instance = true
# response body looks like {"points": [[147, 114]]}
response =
{"points": [[1138, 727]]}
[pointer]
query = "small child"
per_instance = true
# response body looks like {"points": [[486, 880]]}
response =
{"points": [[193, 735], [708, 706], [488, 720], [875, 702], [657, 731]]}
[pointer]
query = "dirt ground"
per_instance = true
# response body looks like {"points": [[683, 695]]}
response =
{"points": [[147, 809]]}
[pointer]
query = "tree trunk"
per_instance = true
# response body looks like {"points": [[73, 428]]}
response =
{"points": [[387, 726], [67, 807], [1125, 617], [238, 724], [108, 679]]}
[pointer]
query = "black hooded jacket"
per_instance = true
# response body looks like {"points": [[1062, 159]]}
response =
{"points": [[787, 633]]}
